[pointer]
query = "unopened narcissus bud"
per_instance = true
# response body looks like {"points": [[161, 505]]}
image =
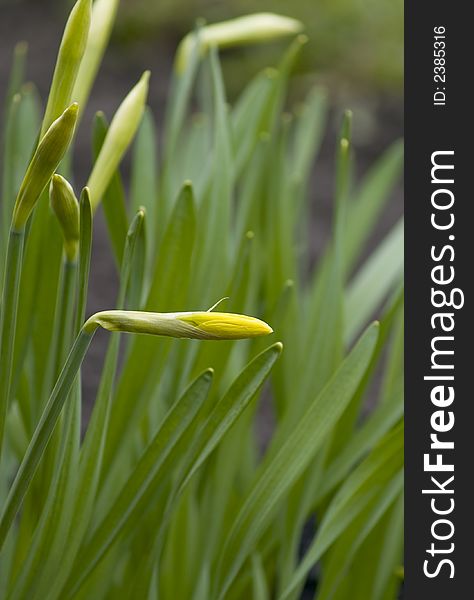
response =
{"points": [[119, 136], [103, 17], [66, 208], [71, 52], [250, 29], [198, 325], [48, 155]]}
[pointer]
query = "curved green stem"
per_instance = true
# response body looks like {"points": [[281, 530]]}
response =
{"points": [[43, 432], [8, 320]]}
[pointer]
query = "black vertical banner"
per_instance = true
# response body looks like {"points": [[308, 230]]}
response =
{"points": [[439, 245]]}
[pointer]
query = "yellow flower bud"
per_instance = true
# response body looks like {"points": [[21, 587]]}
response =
{"points": [[250, 29], [46, 158], [66, 208], [119, 136], [193, 325]]}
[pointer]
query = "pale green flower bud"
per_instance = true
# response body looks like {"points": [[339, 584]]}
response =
{"points": [[46, 158], [193, 325], [102, 20], [119, 136], [66, 208], [71, 52], [250, 29]]}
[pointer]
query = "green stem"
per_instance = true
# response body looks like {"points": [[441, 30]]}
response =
{"points": [[60, 346], [9, 307], [62, 334], [66, 312], [43, 432]]}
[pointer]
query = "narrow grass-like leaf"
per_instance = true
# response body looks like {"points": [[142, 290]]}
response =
{"points": [[113, 200], [378, 423], [8, 321], [146, 473], [215, 211], [144, 190], [379, 274], [349, 543], [206, 432], [92, 448], [259, 583], [229, 408], [356, 493], [42, 434], [168, 291], [70, 54], [294, 453], [17, 74], [119, 136], [102, 20], [370, 198], [85, 248]]}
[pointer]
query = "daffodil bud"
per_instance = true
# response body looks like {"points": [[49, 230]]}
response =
{"points": [[46, 158], [250, 29], [66, 208], [102, 20], [198, 325], [71, 52], [119, 136]]}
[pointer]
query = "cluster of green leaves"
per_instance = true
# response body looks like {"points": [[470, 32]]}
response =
{"points": [[169, 494]]}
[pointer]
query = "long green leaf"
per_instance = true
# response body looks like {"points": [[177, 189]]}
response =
{"points": [[146, 474], [295, 452]]}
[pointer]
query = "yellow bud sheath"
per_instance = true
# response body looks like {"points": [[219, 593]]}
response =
{"points": [[198, 325], [48, 155], [66, 208], [250, 29]]}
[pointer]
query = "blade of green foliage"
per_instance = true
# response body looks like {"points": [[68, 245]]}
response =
{"points": [[389, 554], [17, 74], [81, 506], [144, 191], [180, 96], [113, 200], [214, 212], [42, 434], [146, 474], [147, 354], [308, 134], [247, 119], [354, 495], [259, 583], [136, 290], [348, 544], [294, 454], [208, 429], [370, 198], [70, 53], [227, 410], [379, 274], [377, 424], [52, 527]]}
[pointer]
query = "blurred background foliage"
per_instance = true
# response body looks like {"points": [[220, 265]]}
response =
{"points": [[356, 41]]}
